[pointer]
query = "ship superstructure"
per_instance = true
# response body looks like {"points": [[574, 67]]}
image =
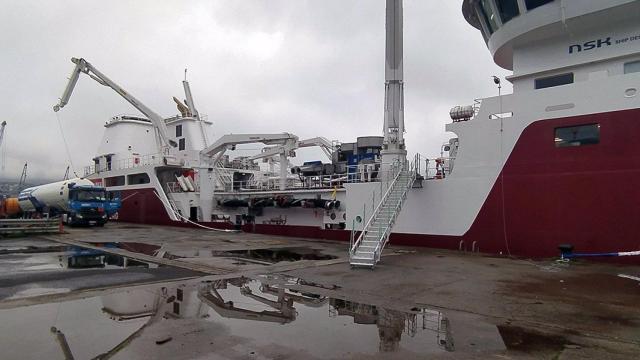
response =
{"points": [[552, 163]]}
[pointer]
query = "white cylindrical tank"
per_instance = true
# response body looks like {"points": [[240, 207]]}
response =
{"points": [[54, 195]]}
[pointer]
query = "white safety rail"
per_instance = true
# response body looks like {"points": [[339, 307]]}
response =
{"points": [[367, 248], [354, 174], [128, 163]]}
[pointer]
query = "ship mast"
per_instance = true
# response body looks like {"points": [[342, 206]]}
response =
{"points": [[393, 148]]}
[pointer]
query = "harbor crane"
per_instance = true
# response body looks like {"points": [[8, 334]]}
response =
{"points": [[83, 66], [2, 126], [23, 177]]}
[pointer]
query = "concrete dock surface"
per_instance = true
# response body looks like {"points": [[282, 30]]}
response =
{"points": [[129, 291]]}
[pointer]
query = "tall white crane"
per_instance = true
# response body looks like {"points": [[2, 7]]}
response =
{"points": [[393, 145], [83, 66]]}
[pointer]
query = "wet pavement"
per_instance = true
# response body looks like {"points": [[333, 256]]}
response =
{"points": [[251, 316], [282, 298]]}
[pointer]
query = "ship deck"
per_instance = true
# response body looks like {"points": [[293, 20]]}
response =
{"points": [[494, 307]]}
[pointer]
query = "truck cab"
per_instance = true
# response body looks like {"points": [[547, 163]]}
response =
{"points": [[90, 205]]}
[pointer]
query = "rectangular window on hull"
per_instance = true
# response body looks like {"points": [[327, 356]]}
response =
{"points": [[555, 80], [508, 9], [178, 130], [580, 135], [532, 4], [632, 67], [181, 144]]}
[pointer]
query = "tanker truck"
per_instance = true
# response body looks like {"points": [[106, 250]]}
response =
{"points": [[78, 201]]}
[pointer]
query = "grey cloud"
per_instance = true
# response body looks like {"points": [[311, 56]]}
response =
{"points": [[314, 68]]}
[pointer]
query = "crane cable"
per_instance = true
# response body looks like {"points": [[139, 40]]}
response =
{"points": [[66, 146]]}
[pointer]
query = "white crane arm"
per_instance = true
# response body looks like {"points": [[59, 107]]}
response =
{"points": [[272, 151], [83, 66], [227, 141], [324, 144]]}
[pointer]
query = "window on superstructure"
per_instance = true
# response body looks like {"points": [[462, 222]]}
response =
{"points": [[580, 135], [114, 181], [181, 144], [632, 67], [137, 179], [508, 9], [489, 16], [532, 4], [178, 130], [555, 80]]}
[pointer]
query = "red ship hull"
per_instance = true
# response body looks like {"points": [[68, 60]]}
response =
{"points": [[586, 196]]}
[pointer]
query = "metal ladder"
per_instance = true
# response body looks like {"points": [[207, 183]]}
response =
{"points": [[365, 251]]}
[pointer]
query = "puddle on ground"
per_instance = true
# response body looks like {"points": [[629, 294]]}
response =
{"points": [[64, 258], [265, 317], [256, 256]]}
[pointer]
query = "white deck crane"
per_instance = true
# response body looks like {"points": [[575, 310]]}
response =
{"points": [[393, 148], [327, 147], [211, 156], [83, 66]]}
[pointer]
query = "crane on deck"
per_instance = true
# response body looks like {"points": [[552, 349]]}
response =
{"points": [[211, 156], [83, 66]]}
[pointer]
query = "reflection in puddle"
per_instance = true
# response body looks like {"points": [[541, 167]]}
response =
{"points": [[259, 256], [248, 313], [67, 257]]}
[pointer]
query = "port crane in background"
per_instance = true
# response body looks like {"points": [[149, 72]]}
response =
{"points": [[2, 126], [83, 66], [23, 178]]}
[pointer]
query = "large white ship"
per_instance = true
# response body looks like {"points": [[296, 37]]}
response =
{"points": [[553, 163]]}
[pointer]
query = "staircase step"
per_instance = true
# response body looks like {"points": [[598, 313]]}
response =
{"points": [[362, 259], [361, 264]]}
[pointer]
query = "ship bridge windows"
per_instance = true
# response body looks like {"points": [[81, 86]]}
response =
{"points": [[488, 14], [570, 136], [632, 67], [556, 80], [508, 9], [532, 4]]}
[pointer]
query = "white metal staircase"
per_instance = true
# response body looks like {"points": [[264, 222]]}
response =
{"points": [[366, 249]]}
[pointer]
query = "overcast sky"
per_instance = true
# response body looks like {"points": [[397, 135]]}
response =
{"points": [[309, 67]]}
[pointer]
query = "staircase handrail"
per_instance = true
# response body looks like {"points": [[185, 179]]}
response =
{"points": [[381, 244], [377, 210]]}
